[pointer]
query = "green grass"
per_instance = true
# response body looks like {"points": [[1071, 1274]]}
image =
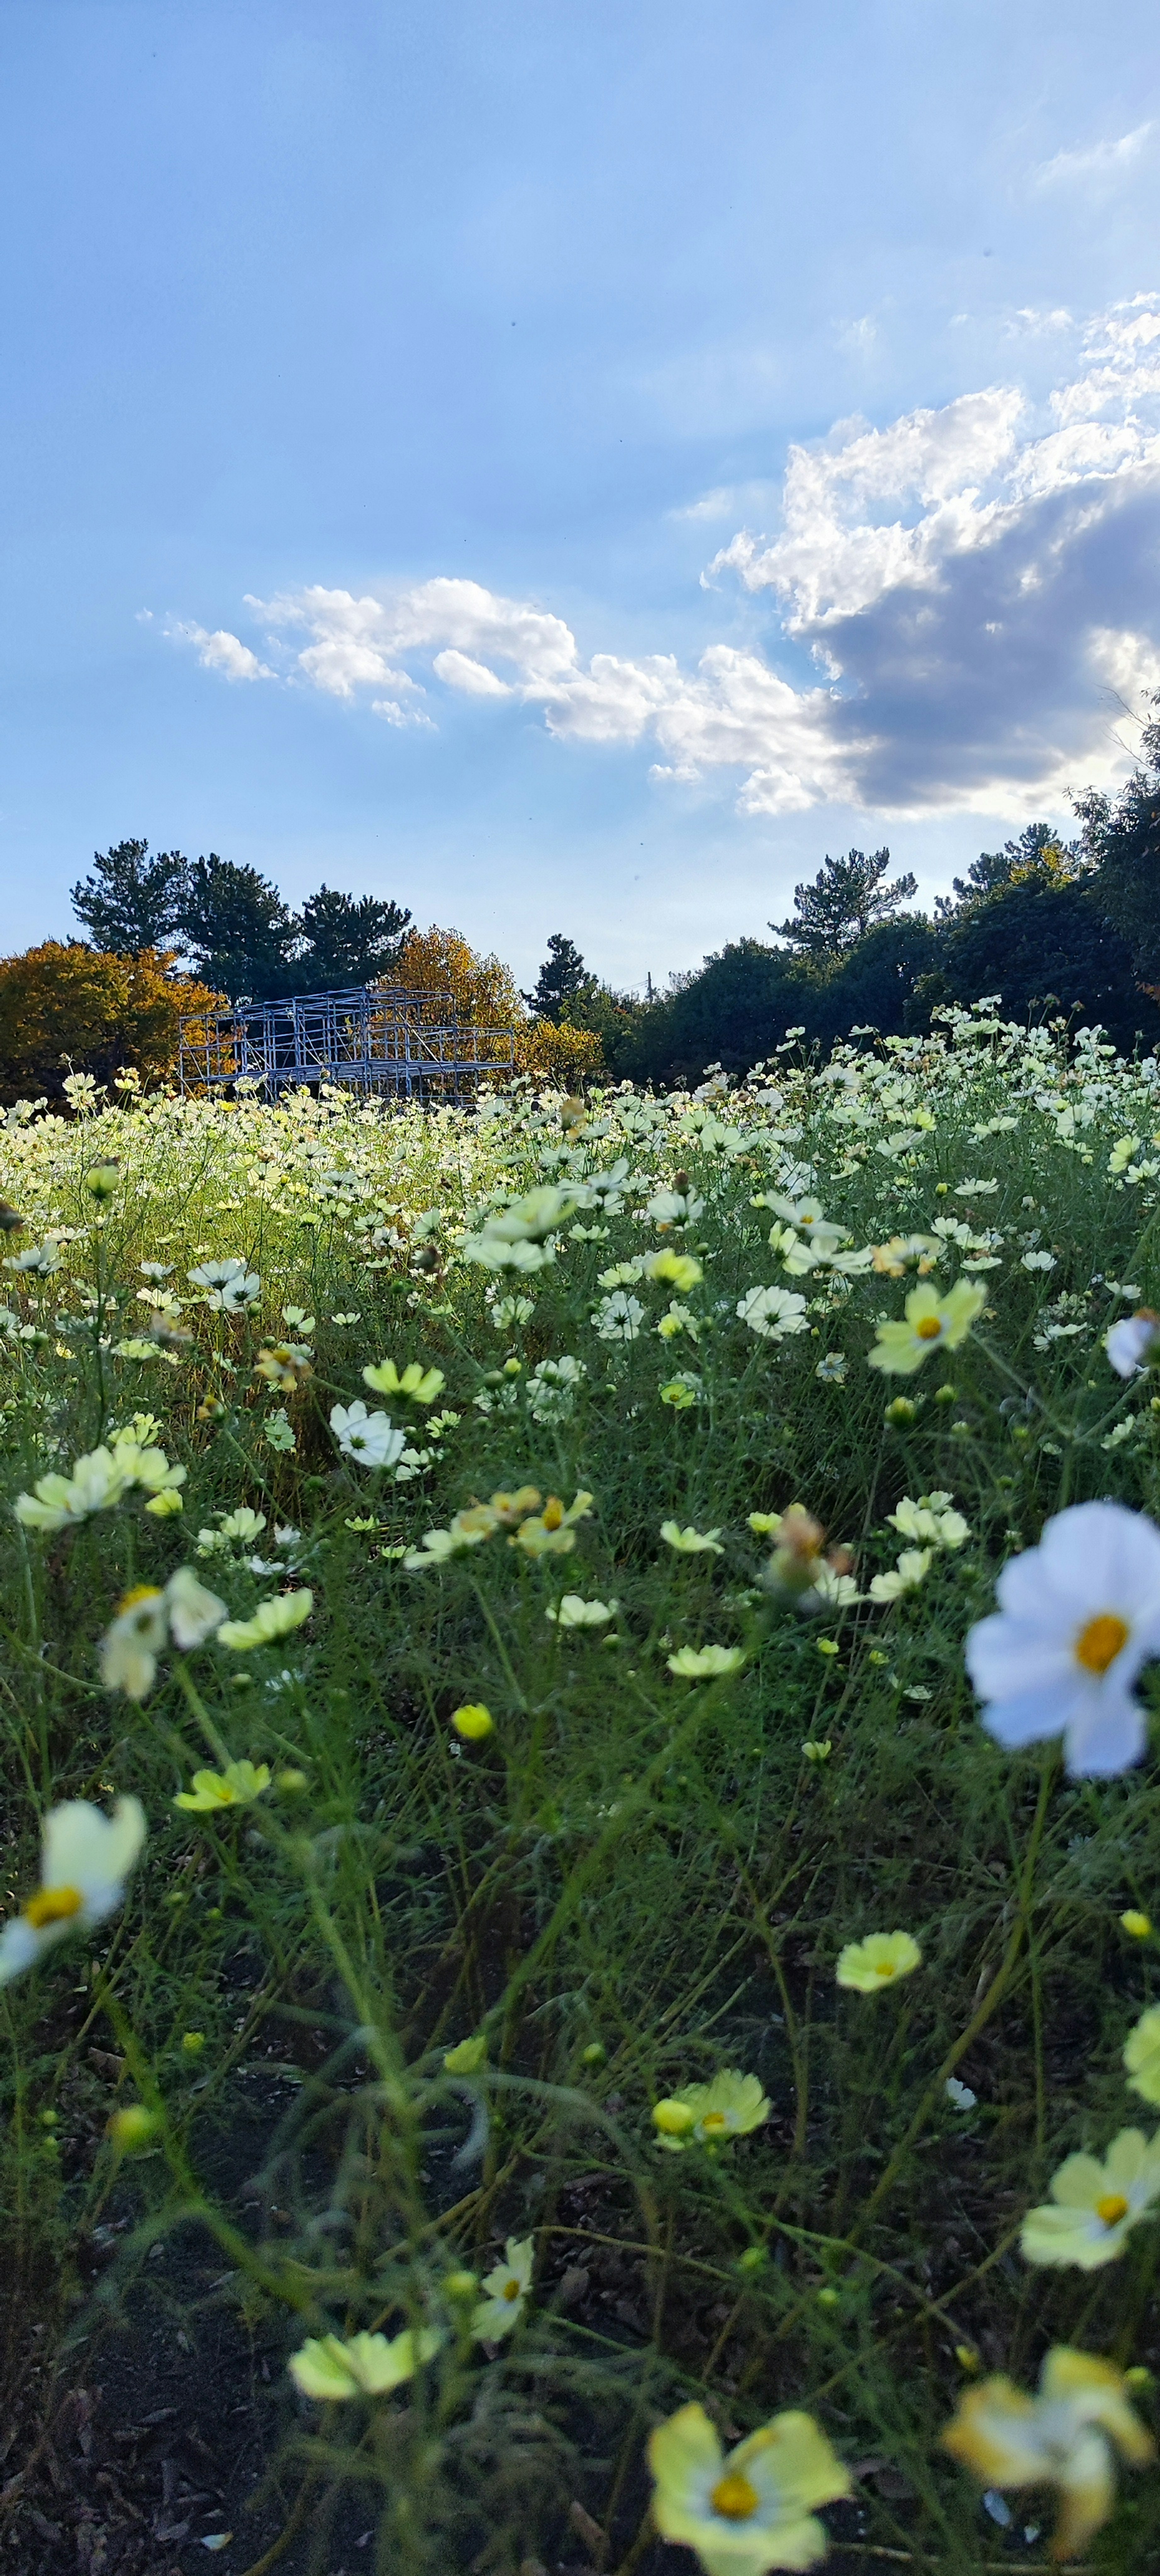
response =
{"points": [[635, 1880]]}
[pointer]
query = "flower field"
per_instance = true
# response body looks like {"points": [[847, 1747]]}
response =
{"points": [[580, 1835]]}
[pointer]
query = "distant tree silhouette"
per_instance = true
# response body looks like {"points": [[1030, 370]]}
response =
{"points": [[561, 978], [845, 900]]}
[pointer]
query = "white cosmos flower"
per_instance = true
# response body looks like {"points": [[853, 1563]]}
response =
{"points": [[1078, 1616], [772, 1312], [145, 1621], [1130, 1343], [506, 2286], [369, 1438], [86, 1858], [229, 1286]]}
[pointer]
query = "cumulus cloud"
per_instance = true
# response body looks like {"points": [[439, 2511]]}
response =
{"points": [[1097, 165], [974, 585], [220, 651]]}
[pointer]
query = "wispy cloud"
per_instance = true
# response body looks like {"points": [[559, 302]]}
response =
{"points": [[972, 583], [1094, 165]]}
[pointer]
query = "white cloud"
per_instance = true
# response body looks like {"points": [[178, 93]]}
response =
{"points": [[220, 651], [974, 584], [459, 671], [1095, 165]]}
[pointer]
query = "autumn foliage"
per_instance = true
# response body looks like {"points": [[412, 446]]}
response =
{"points": [[65, 1004], [486, 995]]}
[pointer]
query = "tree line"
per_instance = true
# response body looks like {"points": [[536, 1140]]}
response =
{"points": [[1052, 927], [231, 928]]}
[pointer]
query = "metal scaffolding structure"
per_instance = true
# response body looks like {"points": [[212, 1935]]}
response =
{"points": [[410, 1045]]}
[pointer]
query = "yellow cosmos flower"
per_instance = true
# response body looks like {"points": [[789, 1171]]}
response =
{"points": [[466, 2058], [338, 2367], [711, 2114], [422, 1385], [1142, 2055], [473, 1722], [691, 1542], [751, 2509], [1066, 2437], [237, 1786], [1138, 1926], [678, 1269], [1094, 2206], [271, 1619], [880, 1960], [932, 1323]]}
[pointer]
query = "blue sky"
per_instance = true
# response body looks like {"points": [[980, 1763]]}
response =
{"points": [[568, 467]]}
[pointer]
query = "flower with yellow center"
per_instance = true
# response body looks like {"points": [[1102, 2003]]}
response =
{"points": [[337, 2367], [1142, 2055], [711, 2114], [932, 1323], [1078, 1616], [1094, 2206], [237, 1786], [146, 1619], [86, 1858], [1066, 2437], [506, 2289], [878, 1961], [751, 2509], [552, 1531]]}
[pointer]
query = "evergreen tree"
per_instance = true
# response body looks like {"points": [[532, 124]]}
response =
{"points": [[845, 900], [132, 902], [1121, 841], [347, 942], [562, 977], [1037, 857], [237, 929]]}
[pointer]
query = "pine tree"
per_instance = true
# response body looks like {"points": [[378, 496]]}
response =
{"points": [[345, 942], [845, 900], [562, 977], [237, 929], [132, 902]]}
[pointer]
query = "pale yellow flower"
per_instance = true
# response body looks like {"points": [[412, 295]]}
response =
{"points": [[1138, 1926], [1066, 2438], [705, 1663], [880, 1960], [237, 1786], [1142, 2055], [420, 1384], [506, 2289], [710, 2114], [751, 2509], [271, 1619], [932, 1323], [679, 1270], [1094, 2206], [691, 1542], [338, 2367]]}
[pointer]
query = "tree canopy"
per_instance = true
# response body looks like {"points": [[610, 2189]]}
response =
{"points": [[561, 979], [845, 900], [131, 901]]}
